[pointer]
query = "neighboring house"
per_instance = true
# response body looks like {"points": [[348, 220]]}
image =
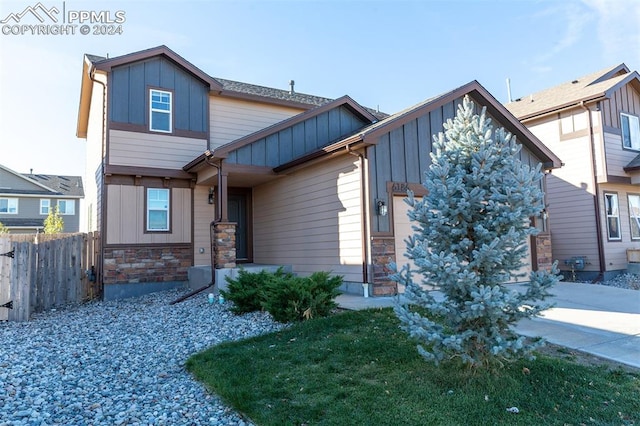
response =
{"points": [[593, 124], [27, 199], [286, 178]]}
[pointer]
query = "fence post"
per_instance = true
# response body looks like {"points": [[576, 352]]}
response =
{"points": [[5, 277]]}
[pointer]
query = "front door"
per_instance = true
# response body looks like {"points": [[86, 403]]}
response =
{"points": [[238, 205]]}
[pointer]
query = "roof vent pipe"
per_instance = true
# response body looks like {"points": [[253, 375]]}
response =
{"points": [[291, 84], [509, 90]]}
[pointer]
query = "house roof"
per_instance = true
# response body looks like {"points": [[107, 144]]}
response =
{"points": [[68, 186], [370, 134], [218, 86], [589, 88], [10, 222]]}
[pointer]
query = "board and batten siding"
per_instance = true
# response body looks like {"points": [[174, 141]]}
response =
{"points": [[129, 89], [625, 99], [298, 140], [126, 216], [312, 220], [231, 119], [152, 150], [570, 193], [403, 155]]}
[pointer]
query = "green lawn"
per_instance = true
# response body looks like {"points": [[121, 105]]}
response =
{"points": [[358, 368]]}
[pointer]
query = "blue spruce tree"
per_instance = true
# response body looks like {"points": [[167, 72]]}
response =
{"points": [[471, 233]]}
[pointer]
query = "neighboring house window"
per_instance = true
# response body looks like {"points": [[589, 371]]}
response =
{"points": [[634, 216], [630, 131], [9, 205], [67, 207], [613, 216], [45, 205], [157, 209], [160, 111]]}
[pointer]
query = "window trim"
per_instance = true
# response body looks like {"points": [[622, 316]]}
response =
{"points": [[617, 216], [631, 217], [17, 210], [152, 110], [42, 200], [147, 210], [631, 134], [66, 201]]}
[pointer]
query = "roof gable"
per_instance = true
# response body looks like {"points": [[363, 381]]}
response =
{"points": [[12, 182], [482, 98], [589, 88]]}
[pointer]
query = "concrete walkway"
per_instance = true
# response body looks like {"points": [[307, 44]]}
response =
{"points": [[597, 319]]}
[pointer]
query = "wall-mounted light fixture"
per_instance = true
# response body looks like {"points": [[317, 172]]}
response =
{"points": [[210, 200], [381, 208]]}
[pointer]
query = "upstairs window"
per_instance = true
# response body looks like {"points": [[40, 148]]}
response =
{"points": [[9, 205], [45, 206], [613, 216], [160, 111], [157, 209], [630, 131], [67, 207]]}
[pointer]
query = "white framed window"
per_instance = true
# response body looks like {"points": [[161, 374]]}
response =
{"points": [[634, 215], [630, 125], [45, 206], [157, 209], [66, 207], [9, 205], [160, 111], [612, 211]]}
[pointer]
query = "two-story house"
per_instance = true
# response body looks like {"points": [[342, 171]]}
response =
{"points": [[193, 170], [27, 199], [593, 124]]}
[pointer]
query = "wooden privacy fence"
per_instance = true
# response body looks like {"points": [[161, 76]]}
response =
{"points": [[39, 272]]}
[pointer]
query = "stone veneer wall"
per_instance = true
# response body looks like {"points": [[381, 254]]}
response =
{"points": [[146, 264], [544, 254], [225, 245], [383, 251]]}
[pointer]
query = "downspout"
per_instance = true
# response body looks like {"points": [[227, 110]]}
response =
{"points": [[103, 148], [365, 222], [212, 225], [596, 197]]}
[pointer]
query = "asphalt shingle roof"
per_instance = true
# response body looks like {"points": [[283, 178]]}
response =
{"points": [[571, 92], [64, 185]]}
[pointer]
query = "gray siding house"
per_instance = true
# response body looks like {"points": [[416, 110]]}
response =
{"points": [[27, 199], [194, 171]]}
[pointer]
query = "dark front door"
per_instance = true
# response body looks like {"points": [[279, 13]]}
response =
{"points": [[238, 205]]}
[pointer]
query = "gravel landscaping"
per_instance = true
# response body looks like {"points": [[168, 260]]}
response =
{"points": [[117, 363]]}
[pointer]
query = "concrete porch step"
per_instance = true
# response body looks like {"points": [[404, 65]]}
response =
{"points": [[200, 276]]}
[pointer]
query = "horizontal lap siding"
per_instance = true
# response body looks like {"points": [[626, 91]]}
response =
{"points": [[616, 251], [570, 195], [152, 150], [231, 119], [311, 219], [617, 157], [126, 217]]}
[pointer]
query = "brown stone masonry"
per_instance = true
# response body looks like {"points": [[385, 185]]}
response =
{"points": [[224, 245], [146, 264], [544, 255], [383, 251]]}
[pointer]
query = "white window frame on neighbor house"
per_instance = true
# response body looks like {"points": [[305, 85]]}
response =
{"points": [[67, 207], [634, 215], [612, 211], [160, 105], [630, 126], [45, 206], [157, 205], [8, 205]]}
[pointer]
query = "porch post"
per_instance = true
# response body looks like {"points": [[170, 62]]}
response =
{"points": [[222, 196], [224, 245]]}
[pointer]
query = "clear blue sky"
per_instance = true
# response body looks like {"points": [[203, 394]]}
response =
{"points": [[386, 54]]}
